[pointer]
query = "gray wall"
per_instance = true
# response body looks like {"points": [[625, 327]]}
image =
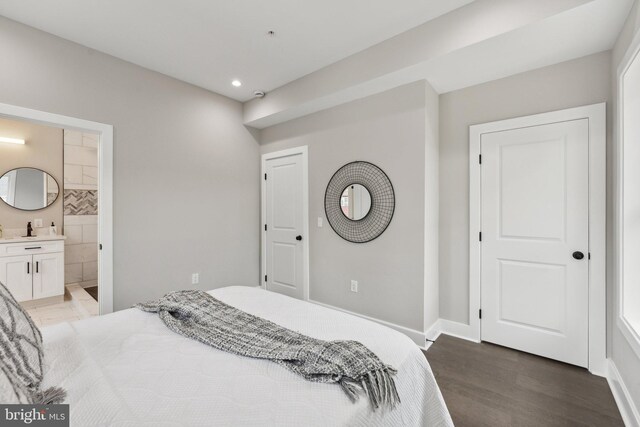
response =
{"points": [[186, 188], [570, 84], [43, 150], [624, 357], [388, 130]]}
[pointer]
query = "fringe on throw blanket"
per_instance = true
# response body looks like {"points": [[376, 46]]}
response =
{"points": [[50, 396], [199, 316], [378, 385]]}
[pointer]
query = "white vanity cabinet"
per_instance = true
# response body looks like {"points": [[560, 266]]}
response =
{"points": [[33, 269]]}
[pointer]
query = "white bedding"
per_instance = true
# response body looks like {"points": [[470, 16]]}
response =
{"points": [[127, 368]]}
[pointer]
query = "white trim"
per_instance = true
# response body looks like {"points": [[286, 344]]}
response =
{"points": [[627, 407], [596, 114], [304, 151], [631, 335], [449, 327], [434, 331], [458, 330], [105, 187], [415, 335]]}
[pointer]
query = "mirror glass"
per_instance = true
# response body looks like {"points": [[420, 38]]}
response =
{"points": [[355, 202], [28, 189]]}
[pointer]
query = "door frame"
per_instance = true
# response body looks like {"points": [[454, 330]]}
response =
{"points": [[105, 187], [596, 115], [304, 151]]}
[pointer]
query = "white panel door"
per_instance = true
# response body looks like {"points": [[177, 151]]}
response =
{"points": [[48, 275], [535, 231], [15, 274], [284, 216]]}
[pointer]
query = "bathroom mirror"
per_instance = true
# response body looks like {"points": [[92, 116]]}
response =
{"points": [[359, 202], [28, 189], [355, 202]]}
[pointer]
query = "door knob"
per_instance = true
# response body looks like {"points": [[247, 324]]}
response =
{"points": [[298, 238], [578, 255]]}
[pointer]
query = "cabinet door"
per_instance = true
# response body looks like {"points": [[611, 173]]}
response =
{"points": [[15, 274], [48, 275]]}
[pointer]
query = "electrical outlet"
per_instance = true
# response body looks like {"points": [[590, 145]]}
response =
{"points": [[354, 286], [195, 278], [37, 223], [319, 222]]}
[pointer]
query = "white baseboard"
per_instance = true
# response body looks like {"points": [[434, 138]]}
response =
{"points": [[458, 330], [416, 336], [432, 333], [449, 327], [440, 326], [628, 410]]}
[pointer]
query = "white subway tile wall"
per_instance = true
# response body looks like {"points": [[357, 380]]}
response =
{"points": [[72, 273], [73, 233], [83, 156], [72, 174], [81, 228], [90, 175]]}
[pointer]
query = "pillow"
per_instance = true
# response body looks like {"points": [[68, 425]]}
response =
{"points": [[12, 391], [21, 348], [21, 356]]}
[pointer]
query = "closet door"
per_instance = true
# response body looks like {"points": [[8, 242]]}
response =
{"points": [[15, 274], [535, 240], [284, 226]]}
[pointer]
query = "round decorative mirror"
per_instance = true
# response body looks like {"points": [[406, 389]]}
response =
{"points": [[359, 202], [355, 202], [28, 189]]}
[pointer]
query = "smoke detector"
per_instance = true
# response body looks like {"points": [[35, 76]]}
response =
{"points": [[259, 94]]}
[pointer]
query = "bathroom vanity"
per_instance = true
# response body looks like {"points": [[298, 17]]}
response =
{"points": [[33, 268]]}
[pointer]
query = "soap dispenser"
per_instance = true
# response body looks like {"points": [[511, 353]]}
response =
{"points": [[53, 230]]}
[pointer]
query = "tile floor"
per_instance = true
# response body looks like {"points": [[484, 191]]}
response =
{"points": [[77, 305], [56, 313]]}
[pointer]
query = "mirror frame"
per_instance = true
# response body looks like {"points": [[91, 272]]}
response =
{"points": [[383, 202], [39, 209]]}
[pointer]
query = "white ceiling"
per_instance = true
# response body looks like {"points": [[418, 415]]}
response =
{"points": [[484, 41], [211, 42], [591, 28]]}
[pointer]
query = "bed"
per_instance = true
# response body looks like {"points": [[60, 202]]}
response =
{"points": [[129, 369]]}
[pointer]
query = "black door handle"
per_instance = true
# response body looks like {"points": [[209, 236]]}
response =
{"points": [[298, 238], [578, 255]]}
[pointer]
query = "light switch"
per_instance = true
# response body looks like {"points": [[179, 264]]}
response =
{"points": [[319, 222], [37, 223]]}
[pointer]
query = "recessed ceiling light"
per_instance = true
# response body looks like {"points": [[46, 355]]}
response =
{"points": [[236, 83]]}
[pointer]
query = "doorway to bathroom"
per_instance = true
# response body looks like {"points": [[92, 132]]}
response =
{"points": [[81, 202], [83, 231]]}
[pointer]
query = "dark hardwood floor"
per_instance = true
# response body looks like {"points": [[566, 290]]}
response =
{"points": [[488, 385]]}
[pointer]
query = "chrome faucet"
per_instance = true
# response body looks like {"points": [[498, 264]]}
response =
{"points": [[29, 229]]}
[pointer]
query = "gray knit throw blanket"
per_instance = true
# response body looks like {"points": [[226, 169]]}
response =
{"points": [[199, 316]]}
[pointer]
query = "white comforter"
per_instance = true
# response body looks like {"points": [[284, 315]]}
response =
{"points": [[128, 369]]}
